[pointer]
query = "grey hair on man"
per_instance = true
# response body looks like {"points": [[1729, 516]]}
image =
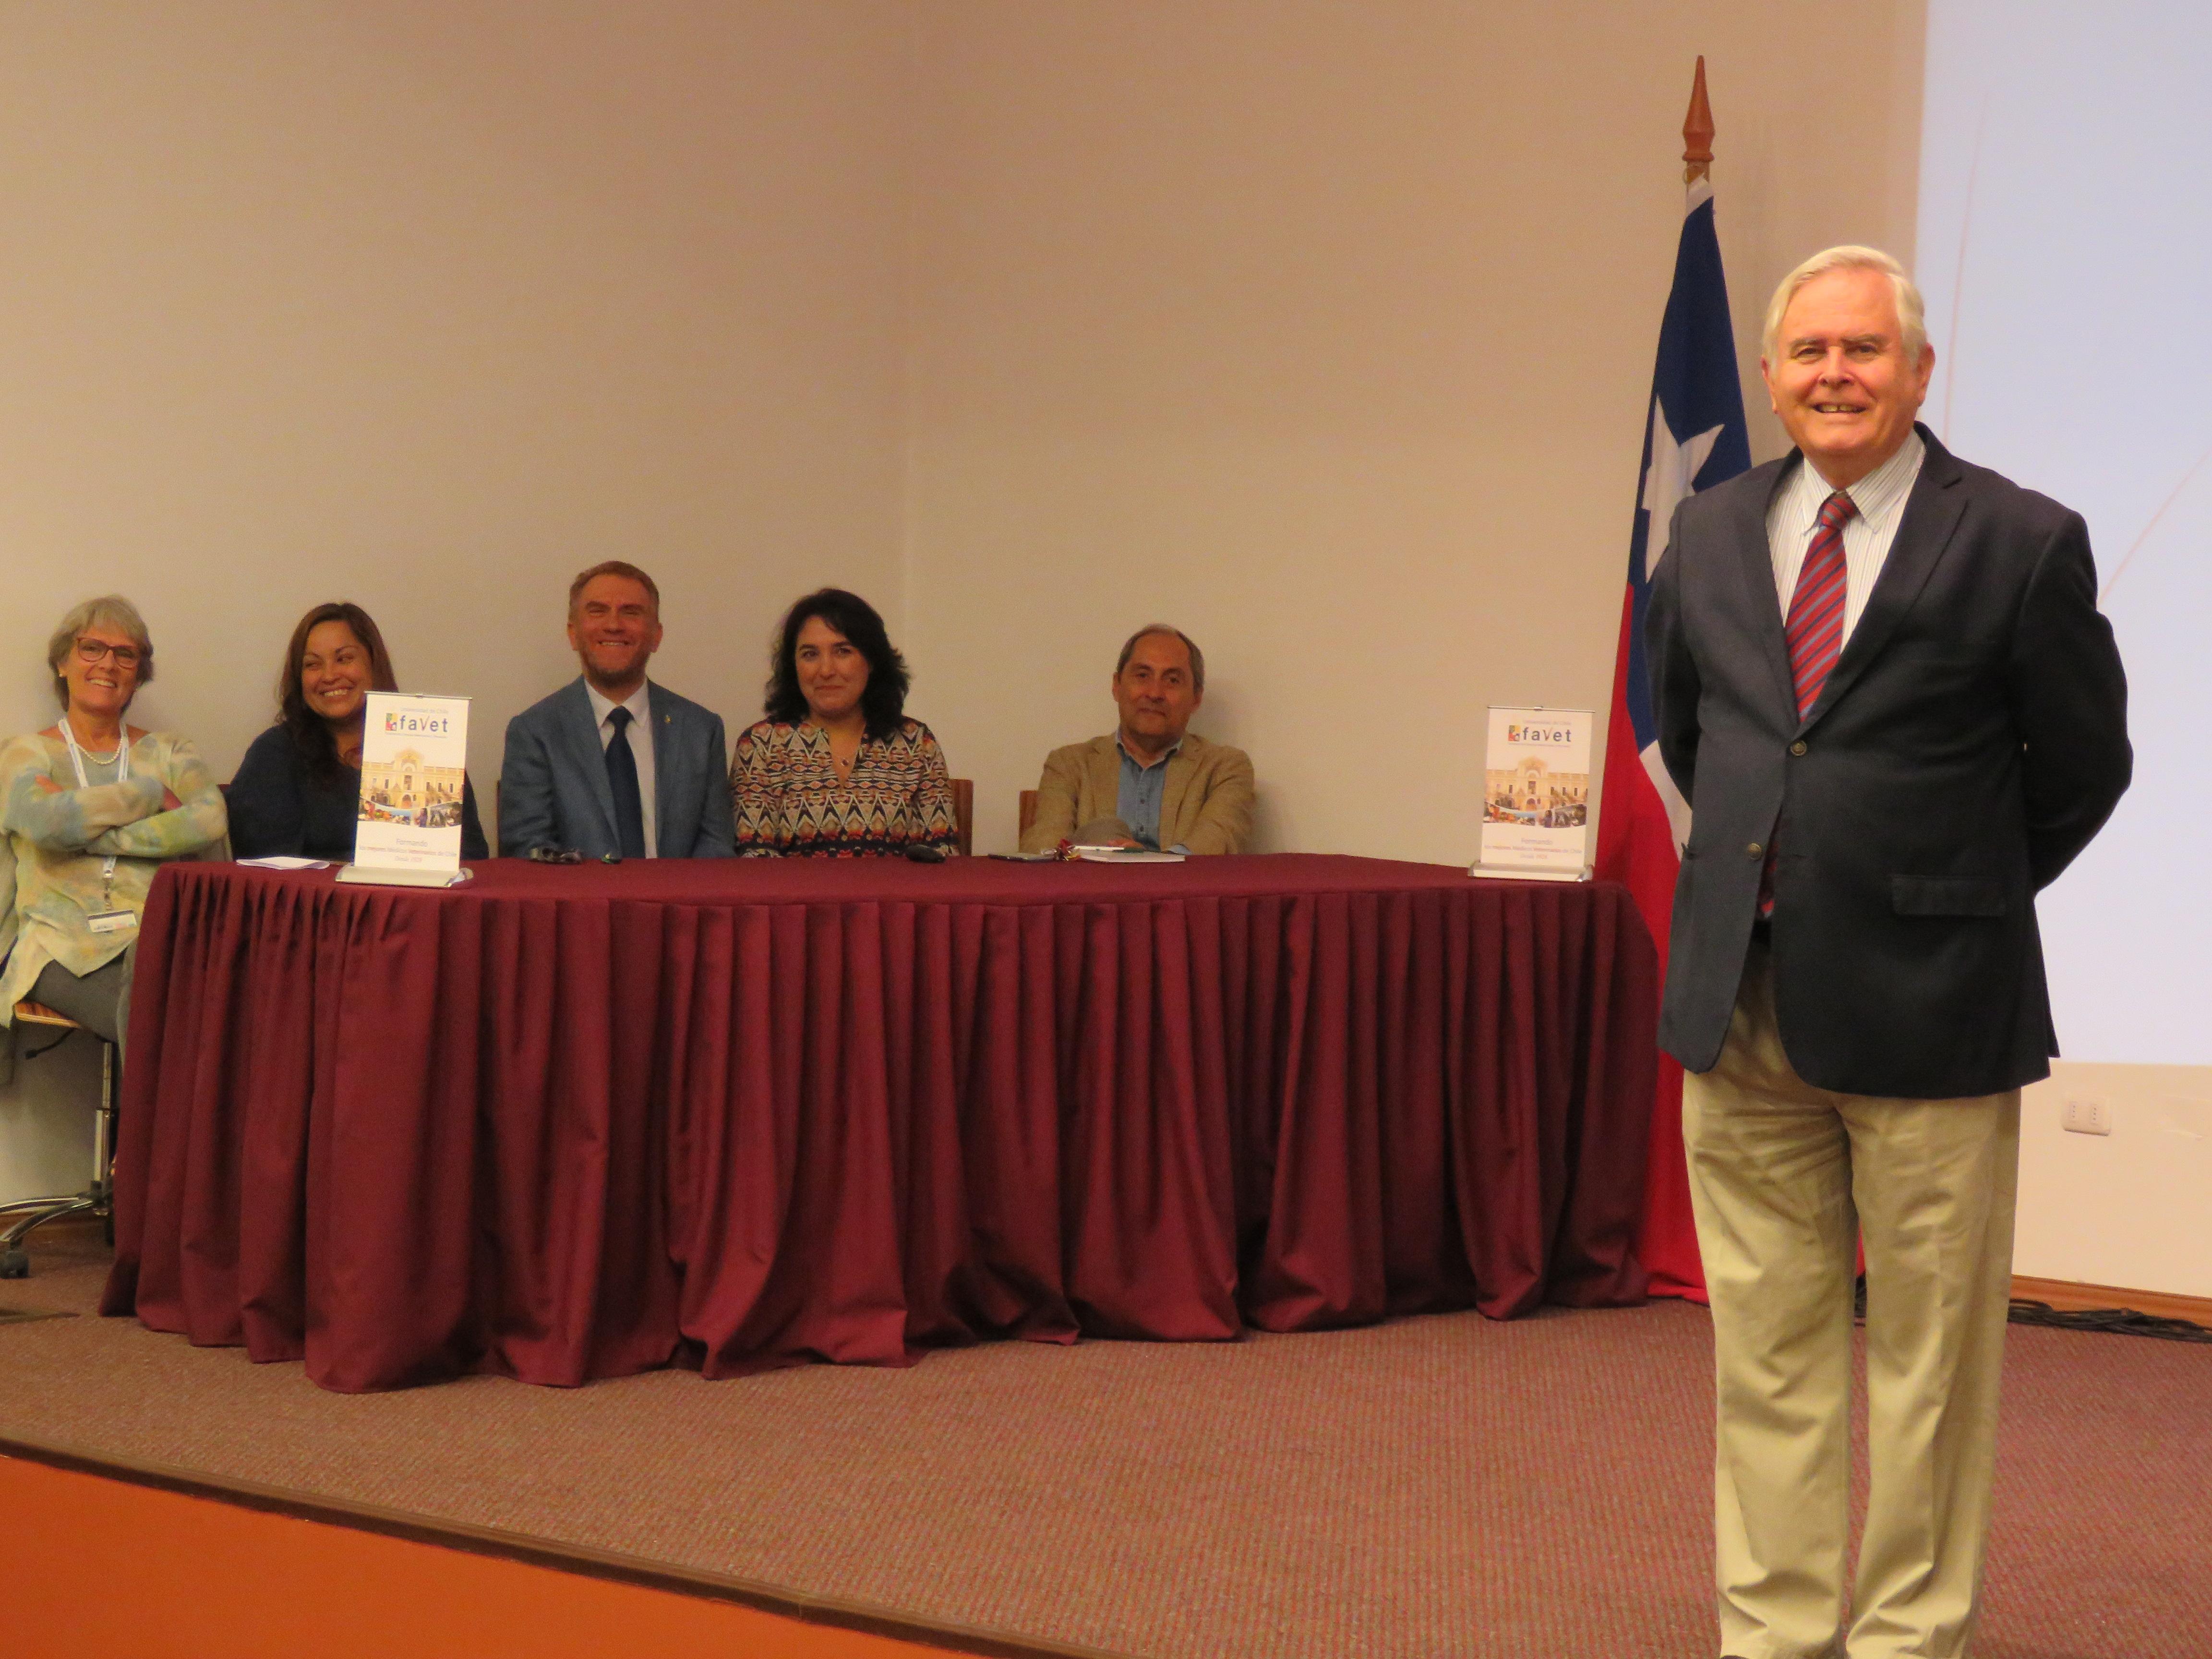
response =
{"points": [[110, 610], [1197, 656], [1912, 313]]}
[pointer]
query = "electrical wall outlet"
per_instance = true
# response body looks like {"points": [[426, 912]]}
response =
{"points": [[2087, 1117]]}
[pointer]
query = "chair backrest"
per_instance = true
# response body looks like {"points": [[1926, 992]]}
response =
{"points": [[963, 813], [1025, 813]]}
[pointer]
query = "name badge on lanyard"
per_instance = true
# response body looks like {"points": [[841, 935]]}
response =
{"points": [[103, 921]]}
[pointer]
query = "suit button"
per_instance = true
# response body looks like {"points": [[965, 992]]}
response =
{"points": [[1798, 747], [1754, 850]]}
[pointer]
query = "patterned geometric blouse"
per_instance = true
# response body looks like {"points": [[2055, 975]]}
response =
{"points": [[55, 838], [790, 802]]}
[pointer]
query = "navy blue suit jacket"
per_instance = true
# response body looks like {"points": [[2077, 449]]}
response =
{"points": [[553, 788], [1970, 740]]}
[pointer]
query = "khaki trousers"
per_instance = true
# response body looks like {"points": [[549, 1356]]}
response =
{"points": [[1785, 1178]]}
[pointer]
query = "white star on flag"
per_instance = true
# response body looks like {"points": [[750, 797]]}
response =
{"points": [[1673, 466]]}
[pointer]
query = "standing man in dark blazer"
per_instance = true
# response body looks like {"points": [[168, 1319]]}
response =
{"points": [[1883, 685], [611, 764]]}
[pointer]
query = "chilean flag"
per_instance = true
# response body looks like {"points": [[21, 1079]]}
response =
{"points": [[1694, 437]]}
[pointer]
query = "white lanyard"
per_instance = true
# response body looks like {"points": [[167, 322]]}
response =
{"points": [[76, 760]]}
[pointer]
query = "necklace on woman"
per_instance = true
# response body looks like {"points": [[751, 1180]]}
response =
{"points": [[840, 765], [107, 759]]}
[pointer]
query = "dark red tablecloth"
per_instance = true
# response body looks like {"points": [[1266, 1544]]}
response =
{"points": [[565, 1123]]}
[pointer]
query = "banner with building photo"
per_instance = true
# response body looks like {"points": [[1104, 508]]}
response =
{"points": [[1536, 793], [414, 755]]}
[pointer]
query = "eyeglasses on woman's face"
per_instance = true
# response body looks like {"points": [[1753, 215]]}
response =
{"points": [[91, 652]]}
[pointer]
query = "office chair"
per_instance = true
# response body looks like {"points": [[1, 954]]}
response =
{"points": [[96, 1200]]}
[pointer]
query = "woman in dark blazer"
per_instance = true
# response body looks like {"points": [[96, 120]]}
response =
{"points": [[298, 790]]}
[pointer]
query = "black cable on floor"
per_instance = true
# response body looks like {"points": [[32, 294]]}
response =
{"points": [[2121, 1321]]}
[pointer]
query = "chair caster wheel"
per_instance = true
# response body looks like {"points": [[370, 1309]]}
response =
{"points": [[14, 1264]]}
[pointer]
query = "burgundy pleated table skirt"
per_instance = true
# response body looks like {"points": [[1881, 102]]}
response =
{"points": [[567, 1123]]}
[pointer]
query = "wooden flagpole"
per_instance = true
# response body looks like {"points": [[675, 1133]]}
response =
{"points": [[1698, 131]]}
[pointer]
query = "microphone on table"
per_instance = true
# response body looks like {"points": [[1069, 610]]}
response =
{"points": [[923, 853]]}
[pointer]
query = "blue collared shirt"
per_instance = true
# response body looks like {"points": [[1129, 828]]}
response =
{"points": [[1137, 803]]}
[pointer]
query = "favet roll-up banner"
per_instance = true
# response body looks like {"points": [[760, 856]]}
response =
{"points": [[1535, 795], [414, 754]]}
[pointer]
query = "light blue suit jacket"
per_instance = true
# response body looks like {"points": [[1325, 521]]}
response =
{"points": [[553, 788]]}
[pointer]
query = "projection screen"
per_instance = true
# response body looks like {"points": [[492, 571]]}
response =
{"points": [[2066, 247]]}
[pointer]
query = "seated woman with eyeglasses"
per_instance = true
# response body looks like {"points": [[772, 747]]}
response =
{"points": [[91, 807], [837, 770], [297, 792]]}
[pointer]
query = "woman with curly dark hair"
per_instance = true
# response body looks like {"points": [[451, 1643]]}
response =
{"points": [[837, 770], [298, 791]]}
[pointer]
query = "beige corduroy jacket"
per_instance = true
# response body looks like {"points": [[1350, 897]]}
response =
{"points": [[1206, 806]]}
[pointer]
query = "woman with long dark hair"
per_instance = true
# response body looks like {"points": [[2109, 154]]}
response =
{"points": [[298, 791], [837, 770]]}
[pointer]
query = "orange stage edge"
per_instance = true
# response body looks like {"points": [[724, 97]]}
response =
{"points": [[103, 1564]]}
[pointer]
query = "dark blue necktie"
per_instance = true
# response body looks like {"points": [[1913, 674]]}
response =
{"points": [[622, 778]]}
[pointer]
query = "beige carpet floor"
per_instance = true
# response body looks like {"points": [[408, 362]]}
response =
{"points": [[1438, 1486]]}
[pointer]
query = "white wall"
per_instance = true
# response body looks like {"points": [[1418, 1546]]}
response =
{"points": [[2129, 1208], [430, 306], [46, 1116], [1326, 333]]}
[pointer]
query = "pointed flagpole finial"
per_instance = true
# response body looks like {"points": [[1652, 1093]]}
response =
{"points": [[1698, 131]]}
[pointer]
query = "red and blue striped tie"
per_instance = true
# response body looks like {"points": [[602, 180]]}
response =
{"points": [[1816, 626], [1815, 631]]}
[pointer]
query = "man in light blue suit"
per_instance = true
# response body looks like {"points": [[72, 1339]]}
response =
{"points": [[611, 765]]}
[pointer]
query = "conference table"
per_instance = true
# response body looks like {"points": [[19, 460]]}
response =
{"points": [[567, 1123]]}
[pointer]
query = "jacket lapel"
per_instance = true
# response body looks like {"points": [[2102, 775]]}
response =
{"points": [[1931, 514], [582, 734], [662, 714], [1105, 800], [1755, 554], [1181, 766]]}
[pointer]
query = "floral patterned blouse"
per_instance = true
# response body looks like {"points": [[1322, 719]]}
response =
{"points": [[55, 838], [790, 802]]}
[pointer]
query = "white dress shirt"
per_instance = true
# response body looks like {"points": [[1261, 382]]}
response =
{"points": [[640, 746], [1880, 498]]}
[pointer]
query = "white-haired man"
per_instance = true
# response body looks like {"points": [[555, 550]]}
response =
{"points": [[1883, 685]]}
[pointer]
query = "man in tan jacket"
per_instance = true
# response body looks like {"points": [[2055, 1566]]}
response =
{"points": [[1152, 783]]}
